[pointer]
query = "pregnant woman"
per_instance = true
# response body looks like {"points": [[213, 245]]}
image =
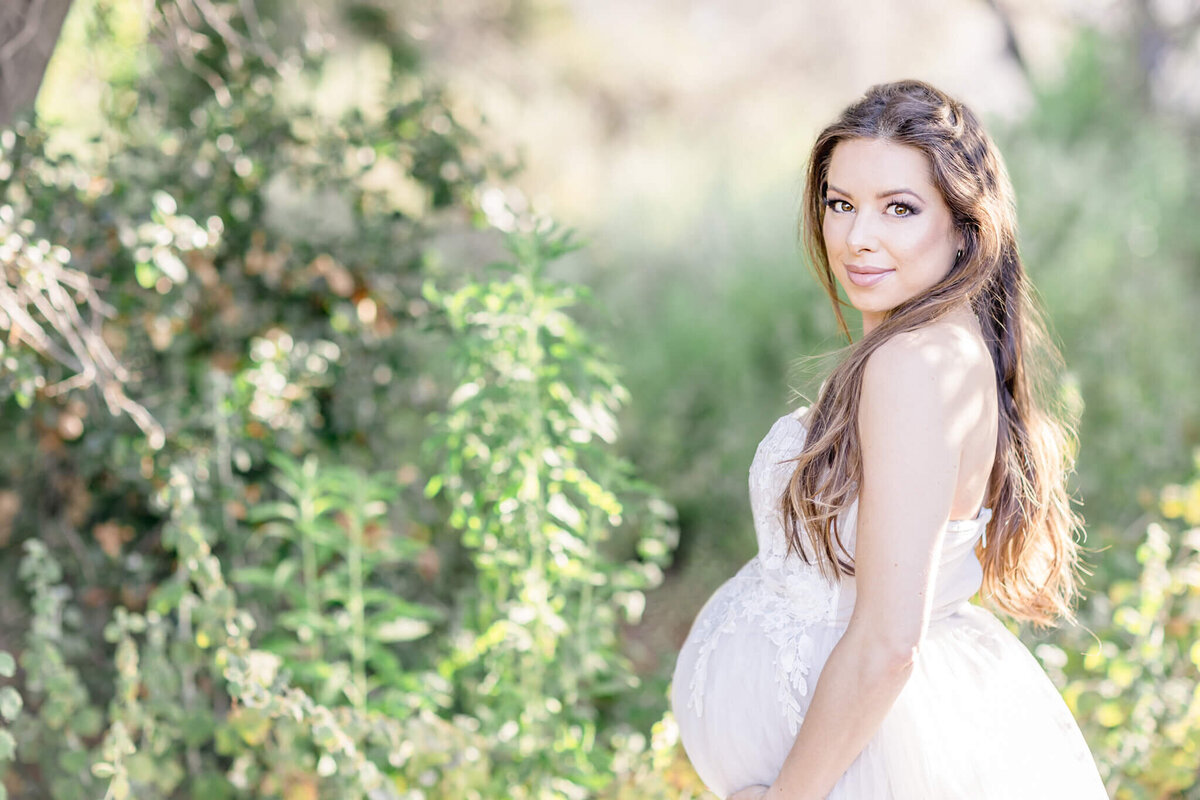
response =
{"points": [[845, 660]]}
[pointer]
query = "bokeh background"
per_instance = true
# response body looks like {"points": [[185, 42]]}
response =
{"points": [[380, 377]]}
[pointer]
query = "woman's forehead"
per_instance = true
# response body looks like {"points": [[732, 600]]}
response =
{"points": [[878, 166]]}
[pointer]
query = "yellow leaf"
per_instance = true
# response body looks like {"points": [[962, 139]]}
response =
{"points": [[252, 725], [1071, 696], [302, 787], [1110, 715], [1194, 654]]}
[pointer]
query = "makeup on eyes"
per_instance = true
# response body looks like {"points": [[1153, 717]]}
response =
{"points": [[911, 209]]}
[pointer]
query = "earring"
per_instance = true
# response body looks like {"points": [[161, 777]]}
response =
{"points": [[957, 257]]}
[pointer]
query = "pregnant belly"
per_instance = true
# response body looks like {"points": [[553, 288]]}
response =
{"points": [[743, 680]]}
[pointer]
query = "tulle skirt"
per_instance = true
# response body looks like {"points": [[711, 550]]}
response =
{"points": [[978, 717]]}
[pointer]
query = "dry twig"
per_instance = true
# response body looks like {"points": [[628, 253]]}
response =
{"points": [[41, 305]]}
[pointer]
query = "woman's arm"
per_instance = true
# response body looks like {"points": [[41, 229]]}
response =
{"points": [[911, 432]]}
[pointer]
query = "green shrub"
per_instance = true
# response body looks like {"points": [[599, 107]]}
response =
{"points": [[530, 481], [1131, 678], [207, 606]]}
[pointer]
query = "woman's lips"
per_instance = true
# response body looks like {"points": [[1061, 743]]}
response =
{"points": [[866, 276]]}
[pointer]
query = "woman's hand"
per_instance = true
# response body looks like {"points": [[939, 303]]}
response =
{"points": [[749, 793]]}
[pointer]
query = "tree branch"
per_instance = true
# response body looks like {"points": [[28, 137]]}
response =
{"points": [[43, 287], [23, 37], [1011, 46], [35, 26]]}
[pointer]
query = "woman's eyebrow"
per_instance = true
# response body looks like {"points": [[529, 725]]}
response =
{"points": [[881, 195]]}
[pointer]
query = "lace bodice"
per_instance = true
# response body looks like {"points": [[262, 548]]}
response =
{"points": [[786, 597], [769, 474]]}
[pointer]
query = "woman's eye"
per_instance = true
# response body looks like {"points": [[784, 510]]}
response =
{"points": [[901, 210], [838, 206]]}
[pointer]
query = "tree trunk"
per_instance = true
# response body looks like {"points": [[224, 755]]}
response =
{"points": [[29, 29]]}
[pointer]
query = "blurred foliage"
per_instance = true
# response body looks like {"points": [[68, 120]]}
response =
{"points": [[1135, 688], [299, 499], [321, 570], [716, 376], [225, 348], [530, 482]]}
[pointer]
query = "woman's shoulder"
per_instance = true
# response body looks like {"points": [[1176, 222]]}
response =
{"points": [[954, 340], [944, 360]]}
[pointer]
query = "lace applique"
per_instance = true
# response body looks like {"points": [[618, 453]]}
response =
{"points": [[780, 594], [717, 621], [770, 472], [784, 606]]}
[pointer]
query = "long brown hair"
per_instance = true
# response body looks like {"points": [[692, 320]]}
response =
{"points": [[1030, 562]]}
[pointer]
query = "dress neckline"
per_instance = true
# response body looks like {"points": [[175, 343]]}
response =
{"points": [[984, 515]]}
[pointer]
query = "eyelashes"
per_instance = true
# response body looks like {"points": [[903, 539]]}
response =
{"points": [[895, 208]]}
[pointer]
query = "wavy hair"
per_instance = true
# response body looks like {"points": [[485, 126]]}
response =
{"points": [[1030, 563]]}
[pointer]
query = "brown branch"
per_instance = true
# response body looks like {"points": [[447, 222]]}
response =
{"points": [[191, 22], [35, 27], [233, 40], [254, 26], [24, 36], [26, 328], [44, 288], [1011, 45], [90, 338], [177, 33]]}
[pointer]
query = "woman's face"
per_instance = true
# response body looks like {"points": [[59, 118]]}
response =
{"points": [[889, 234]]}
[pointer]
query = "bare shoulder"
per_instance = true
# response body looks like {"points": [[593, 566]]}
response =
{"points": [[943, 368]]}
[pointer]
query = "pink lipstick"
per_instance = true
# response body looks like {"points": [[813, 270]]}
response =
{"points": [[866, 276]]}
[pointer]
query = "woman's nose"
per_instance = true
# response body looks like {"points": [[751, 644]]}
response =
{"points": [[862, 235]]}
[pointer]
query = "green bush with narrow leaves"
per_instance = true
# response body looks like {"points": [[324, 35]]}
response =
{"points": [[541, 503], [226, 351]]}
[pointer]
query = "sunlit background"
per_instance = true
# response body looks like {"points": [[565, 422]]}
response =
{"points": [[290, 206]]}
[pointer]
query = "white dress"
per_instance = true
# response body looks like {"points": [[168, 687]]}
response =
{"points": [[978, 717]]}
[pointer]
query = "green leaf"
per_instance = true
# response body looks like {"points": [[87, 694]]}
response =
{"points": [[10, 703], [146, 275], [119, 788], [253, 576], [8, 666], [285, 571], [389, 603], [8, 748], [264, 512], [402, 629]]}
